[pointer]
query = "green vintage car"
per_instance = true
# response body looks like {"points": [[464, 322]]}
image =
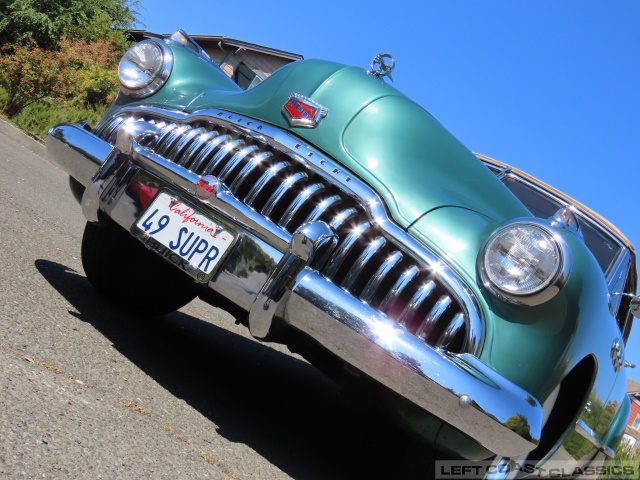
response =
{"points": [[333, 214]]}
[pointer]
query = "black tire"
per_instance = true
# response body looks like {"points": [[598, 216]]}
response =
{"points": [[129, 275]]}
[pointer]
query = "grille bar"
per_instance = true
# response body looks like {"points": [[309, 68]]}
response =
{"points": [[430, 323], [246, 171], [284, 187], [196, 147], [235, 161], [372, 287], [302, 198], [410, 311], [453, 329], [342, 218], [205, 154], [322, 207], [397, 289], [180, 146], [343, 250], [366, 256], [266, 177], [226, 149]]}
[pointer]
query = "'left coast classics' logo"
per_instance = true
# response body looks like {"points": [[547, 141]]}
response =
{"points": [[206, 187]]}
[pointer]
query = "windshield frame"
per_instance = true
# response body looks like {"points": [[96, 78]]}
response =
{"points": [[503, 171]]}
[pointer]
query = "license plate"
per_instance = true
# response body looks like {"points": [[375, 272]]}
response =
{"points": [[184, 234]]}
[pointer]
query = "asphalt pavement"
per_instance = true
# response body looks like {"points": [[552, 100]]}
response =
{"points": [[89, 391]]}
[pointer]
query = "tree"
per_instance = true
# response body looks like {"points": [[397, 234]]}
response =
{"points": [[47, 21]]}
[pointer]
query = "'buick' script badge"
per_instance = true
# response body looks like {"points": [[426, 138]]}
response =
{"points": [[301, 111]]}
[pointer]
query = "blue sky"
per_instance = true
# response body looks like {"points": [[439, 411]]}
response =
{"points": [[548, 86]]}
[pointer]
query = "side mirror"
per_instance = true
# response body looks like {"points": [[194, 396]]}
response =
{"points": [[634, 304]]}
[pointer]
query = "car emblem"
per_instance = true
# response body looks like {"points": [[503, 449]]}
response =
{"points": [[301, 111], [206, 187]]}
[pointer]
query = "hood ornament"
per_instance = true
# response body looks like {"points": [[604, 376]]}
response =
{"points": [[382, 66], [301, 111]]}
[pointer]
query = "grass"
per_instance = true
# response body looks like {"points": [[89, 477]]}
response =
{"points": [[38, 117]]}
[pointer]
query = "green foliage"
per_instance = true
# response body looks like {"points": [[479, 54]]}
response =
{"points": [[61, 64], [626, 456], [94, 65], [29, 74], [99, 86], [81, 73], [519, 424], [47, 21], [250, 258], [38, 117]]}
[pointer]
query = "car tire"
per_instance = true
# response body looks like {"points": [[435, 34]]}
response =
{"points": [[131, 276]]}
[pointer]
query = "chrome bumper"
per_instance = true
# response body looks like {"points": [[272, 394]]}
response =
{"points": [[459, 389]]}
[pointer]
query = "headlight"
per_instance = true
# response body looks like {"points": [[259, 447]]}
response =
{"points": [[524, 263], [144, 68]]}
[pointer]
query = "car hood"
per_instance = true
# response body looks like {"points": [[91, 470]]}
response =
{"points": [[379, 135]]}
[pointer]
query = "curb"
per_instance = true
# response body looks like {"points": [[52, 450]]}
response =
{"points": [[23, 139]]}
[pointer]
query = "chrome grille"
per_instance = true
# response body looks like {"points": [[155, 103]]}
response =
{"points": [[283, 189]]}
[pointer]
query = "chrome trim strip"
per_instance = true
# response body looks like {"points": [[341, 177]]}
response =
{"points": [[585, 431], [459, 389]]}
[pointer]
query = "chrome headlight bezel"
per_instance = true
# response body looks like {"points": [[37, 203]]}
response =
{"points": [[548, 288], [162, 70]]}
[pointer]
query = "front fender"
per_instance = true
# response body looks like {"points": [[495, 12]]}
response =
{"points": [[535, 347], [615, 431]]}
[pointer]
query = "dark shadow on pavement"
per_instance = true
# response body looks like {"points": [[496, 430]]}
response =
{"points": [[281, 407]]}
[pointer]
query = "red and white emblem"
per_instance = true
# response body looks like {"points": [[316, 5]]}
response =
{"points": [[206, 187], [301, 111]]}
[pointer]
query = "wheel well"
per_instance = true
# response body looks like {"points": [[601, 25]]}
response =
{"points": [[573, 394]]}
